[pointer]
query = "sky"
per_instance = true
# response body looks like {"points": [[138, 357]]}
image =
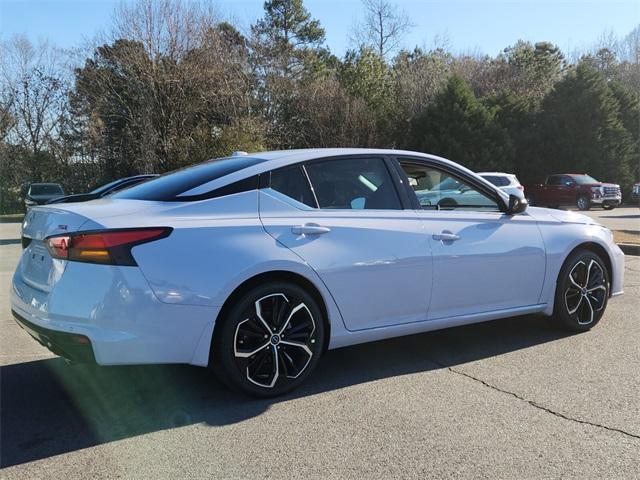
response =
{"points": [[467, 25]]}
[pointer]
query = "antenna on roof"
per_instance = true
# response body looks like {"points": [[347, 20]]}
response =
{"points": [[239, 153]]}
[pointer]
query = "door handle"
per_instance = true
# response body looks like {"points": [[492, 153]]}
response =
{"points": [[446, 236], [310, 229]]}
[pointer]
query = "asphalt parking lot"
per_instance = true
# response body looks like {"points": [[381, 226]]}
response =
{"points": [[621, 218], [513, 398]]}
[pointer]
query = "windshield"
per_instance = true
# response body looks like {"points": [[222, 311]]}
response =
{"points": [[46, 189], [104, 188], [584, 179], [167, 187]]}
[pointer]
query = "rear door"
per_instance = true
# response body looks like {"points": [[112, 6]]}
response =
{"points": [[483, 259], [346, 219], [555, 190]]}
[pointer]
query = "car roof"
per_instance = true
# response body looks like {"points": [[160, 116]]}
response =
{"points": [[498, 174], [45, 183], [282, 158]]}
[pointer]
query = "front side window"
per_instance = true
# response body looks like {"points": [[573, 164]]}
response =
{"points": [[353, 183], [554, 180], [439, 190]]}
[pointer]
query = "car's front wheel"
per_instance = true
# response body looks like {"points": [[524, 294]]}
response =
{"points": [[608, 207], [583, 203], [582, 291], [270, 340]]}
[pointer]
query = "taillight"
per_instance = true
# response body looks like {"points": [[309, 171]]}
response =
{"points": [[111, 247]]}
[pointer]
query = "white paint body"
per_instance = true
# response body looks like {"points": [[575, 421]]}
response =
{"points": [[380, 273]]}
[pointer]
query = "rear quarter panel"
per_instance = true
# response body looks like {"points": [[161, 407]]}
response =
{"points": [[214, 247]]}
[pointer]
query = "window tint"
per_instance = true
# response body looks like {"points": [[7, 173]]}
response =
{"points": [[167, 187], [353, 183], [497, 180], [440, 190], [293, 183], [554, 180], [45, 189]]}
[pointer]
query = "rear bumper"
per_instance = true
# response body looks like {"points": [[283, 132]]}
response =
{"points": [[71, 346], [115, 309]]}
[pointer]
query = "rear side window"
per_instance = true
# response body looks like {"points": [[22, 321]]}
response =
{"points": [[497, 180], [353, 183], [46, 189], [293, 183], [169, 186]]}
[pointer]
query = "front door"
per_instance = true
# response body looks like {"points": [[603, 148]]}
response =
{"points": [[483, 259]]}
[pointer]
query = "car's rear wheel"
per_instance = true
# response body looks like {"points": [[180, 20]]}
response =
{"points": [[608, 207], [270, 341], [582, 291], [583, 203], [531, 200]]}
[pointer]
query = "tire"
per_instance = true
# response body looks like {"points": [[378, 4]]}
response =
{"points": [[582, 291], [243, 350], [531, 200], [583, 203], [608, 207]]}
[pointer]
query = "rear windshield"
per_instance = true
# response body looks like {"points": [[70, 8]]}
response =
{"points": [[46, 189], [497, 180], [168, 186]]}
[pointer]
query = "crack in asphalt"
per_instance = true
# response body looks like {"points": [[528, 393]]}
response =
{"points": [[535, 404]]}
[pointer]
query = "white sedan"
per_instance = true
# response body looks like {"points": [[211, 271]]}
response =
{"points": [[256, 264]]}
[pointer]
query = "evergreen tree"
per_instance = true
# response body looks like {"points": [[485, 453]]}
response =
{"points": [[459, 127], [580, 128]]}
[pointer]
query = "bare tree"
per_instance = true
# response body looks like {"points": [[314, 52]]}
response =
{"points": [[34, 87], [383, 27], [34, 84]]}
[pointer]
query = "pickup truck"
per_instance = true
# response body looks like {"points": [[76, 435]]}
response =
{"points": [[575, 189]]}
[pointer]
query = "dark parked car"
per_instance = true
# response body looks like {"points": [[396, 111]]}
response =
{"points": [[41, 193], [576, 189], [104, 190]]}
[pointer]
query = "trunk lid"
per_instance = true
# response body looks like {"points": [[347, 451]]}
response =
{"points": [[38, 269]]}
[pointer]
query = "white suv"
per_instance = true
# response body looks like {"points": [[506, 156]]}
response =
{"points": [[505, 181]]}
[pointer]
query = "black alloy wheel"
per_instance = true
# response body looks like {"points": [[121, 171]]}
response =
{"points": [[270, 341], [582, 291]]}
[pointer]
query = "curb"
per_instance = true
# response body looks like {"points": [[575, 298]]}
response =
{"points": [[630, 248]]}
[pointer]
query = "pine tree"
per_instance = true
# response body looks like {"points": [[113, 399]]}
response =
{"points": [[581, 130], [459, 127]]}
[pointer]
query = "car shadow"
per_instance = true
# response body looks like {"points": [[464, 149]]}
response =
{"points": [[49, 408]]}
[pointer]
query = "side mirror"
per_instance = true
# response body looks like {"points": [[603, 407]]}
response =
{"points": [[516, 205]]}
